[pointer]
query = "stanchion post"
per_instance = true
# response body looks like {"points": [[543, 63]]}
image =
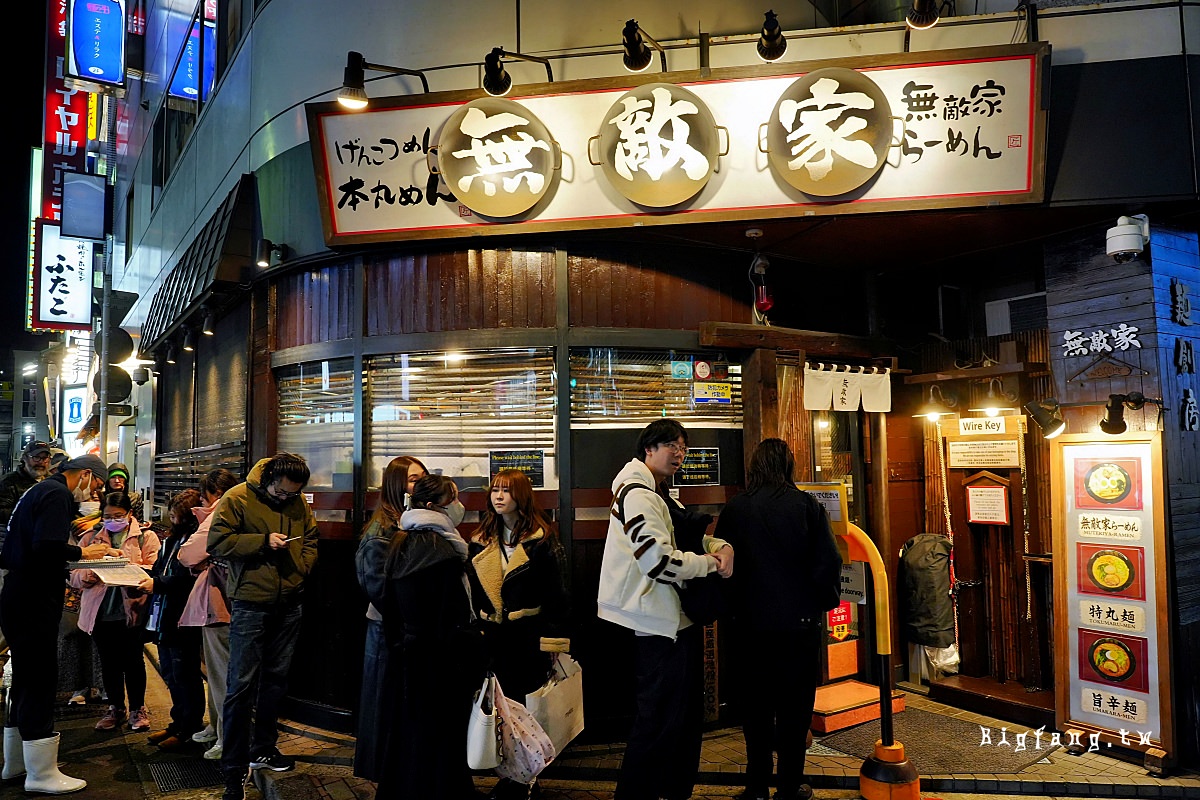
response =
{"points": [[887, 774]]}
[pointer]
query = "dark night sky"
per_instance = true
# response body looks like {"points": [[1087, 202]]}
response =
{"points": [[19, 132]]}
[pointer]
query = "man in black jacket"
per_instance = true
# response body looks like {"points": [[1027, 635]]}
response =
{"points": [[35, 554], [34, 461], [789, 574]]}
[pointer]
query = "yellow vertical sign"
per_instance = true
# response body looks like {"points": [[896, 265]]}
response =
{"points": [[93, 120]]}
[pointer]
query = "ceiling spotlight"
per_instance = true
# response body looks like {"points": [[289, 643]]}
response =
{"points": [[771, 44], [353, 94], [997, 399], [637, 44], [938, 405], [922, 15], [207, 328], [264, 250], [496, 80], [170, 359], [1047, 416], [188, 347]]}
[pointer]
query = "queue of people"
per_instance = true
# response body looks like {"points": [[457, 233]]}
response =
{"points": [[445, 608]]}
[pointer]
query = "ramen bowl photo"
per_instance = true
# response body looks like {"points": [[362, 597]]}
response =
{"points": [[1107, 483], [1111, 659], [1111, 570]]}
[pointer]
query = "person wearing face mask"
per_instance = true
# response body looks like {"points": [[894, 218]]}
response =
{"points": [[427, 618], [115, 617], [517, 587], [370, 744], [36, 553], [170, 583], [32, 468], [267, 533]]}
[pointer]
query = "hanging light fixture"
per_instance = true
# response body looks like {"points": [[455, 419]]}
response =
{"points": [[772, 44], [170, 358], [496, 80], [209, 324], [1047, 415], [188, 346], [997, 399], [637, 44], [922, 15], [262, 254], [938, 404], [353, 94]]}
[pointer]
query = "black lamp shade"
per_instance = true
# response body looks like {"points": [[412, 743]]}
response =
{"points": [[1114, 415], [922, 15], [496, 80], [771, 44], [1048, 420], [637, 54]]}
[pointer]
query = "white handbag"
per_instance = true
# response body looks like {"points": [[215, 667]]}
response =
{"points": [[483, 734], [558, 705]]}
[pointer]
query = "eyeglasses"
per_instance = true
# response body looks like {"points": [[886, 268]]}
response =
{"points": [[676, 448], [107, 518], [281, 494], [42, 457]]}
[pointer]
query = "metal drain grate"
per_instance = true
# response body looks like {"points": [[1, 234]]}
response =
{"points": [[171, 776]]}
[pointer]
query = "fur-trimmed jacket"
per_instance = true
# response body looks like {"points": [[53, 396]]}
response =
{"points": [[523, 607]]}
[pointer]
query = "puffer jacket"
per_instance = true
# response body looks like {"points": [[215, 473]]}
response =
{"points": [[242, 522], [642, 561], [141, 548]]}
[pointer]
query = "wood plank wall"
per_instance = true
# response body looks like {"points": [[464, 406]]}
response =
{"points": [[631, 289], [429, 292], [1086, 290], [314, 306]]}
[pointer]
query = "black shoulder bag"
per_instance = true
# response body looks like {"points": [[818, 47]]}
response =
{"points": [[702, 599]]}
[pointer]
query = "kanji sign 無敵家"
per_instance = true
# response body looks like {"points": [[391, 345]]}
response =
{"points": [[892, 132]]}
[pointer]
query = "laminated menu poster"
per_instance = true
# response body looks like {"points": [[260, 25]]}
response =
{"points": [[1112, 636]]}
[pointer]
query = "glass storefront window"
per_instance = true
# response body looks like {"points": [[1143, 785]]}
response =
{"points": [[837, 455], [461, 413], [316, 420]]}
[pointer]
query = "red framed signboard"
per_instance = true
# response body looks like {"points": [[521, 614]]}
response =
{"points": [[1112, 631]]}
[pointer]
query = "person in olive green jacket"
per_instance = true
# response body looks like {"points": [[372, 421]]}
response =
{"points": [[267, 533]]}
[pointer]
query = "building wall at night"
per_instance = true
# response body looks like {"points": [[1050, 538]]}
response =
{"points": [[319, 352]]}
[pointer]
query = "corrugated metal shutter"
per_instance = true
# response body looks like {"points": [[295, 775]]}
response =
{"points": [[316, 419], [449, 410], [631, 388], [222, 379]]}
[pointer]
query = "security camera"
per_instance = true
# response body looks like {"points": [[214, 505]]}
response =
{"points": [[1127, 240], [140, 375]]}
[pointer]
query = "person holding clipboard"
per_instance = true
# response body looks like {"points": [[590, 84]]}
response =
{"points": [[31, 603]]}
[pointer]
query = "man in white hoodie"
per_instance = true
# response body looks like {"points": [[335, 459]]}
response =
{"points": [[638, 577]]}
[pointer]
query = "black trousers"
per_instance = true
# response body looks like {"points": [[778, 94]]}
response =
{"points": [[180, 662], [780, 686], [30, 613], [663, 754], [121, 663]]}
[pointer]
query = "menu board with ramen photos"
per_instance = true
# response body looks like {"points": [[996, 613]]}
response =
{"points": [[1110, 586]]}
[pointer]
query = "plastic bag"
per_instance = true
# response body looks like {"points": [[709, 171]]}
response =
{"points": [[525, 749], [944, 660]]}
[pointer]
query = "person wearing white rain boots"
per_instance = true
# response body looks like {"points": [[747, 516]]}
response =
{"points": [[35, 554]]}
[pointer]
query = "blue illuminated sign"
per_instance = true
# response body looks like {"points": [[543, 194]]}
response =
{"points": [[97, 41], [186, 81]]}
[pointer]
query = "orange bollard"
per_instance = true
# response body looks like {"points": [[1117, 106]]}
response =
{"points": [[888, 775]]}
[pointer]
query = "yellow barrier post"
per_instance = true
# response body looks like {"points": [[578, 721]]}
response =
{"points": [[887, 774]]}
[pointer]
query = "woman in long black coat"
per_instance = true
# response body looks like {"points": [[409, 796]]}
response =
{"points": [[788, 576], [427, 620]]}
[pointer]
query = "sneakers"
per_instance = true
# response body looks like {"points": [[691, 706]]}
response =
{"points": [[139, 720], [273, 760], [111, 719], [215, 752], [79, 698], [209, 734], [235, 786]]}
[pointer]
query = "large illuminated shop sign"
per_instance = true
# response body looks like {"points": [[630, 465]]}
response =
{"points": [[910, 131]]}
